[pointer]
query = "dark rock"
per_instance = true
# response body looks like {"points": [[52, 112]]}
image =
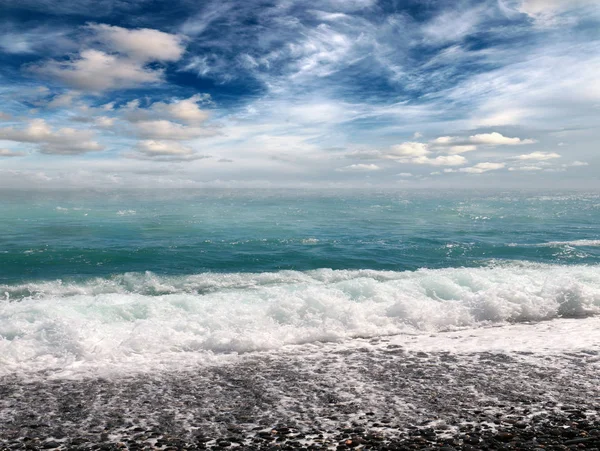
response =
{"points": [[505, 436]]}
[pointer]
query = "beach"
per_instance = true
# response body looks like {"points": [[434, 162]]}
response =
{"points": [[520, 388]]}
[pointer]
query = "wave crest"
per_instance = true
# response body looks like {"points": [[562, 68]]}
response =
{"points": [[149, 318]]}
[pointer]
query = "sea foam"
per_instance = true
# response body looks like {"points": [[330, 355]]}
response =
{"points": [[149, 321]]}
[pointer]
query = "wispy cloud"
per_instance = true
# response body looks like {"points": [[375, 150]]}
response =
{"points": [[538, 156], [271, 87], [359, 168]]}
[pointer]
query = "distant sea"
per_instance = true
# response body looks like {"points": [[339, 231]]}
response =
{"points": [[131, 281]]}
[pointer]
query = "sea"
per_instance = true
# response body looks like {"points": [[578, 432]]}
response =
{"points": [[143, 281]]}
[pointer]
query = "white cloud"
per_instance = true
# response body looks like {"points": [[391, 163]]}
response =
{"points": [[164, 151], [442, 160], [25, 40], [359, 168], [141, 44], [64, 141], [408, 149], [496, 139], [105, 121], [185, 110], [163, 148], [445, 140], [10, 153], [457, 145], [120, 62], [323, 52], [546, 87], [62, 100], [538, 156], [546, 12], [366, 154], [453, 25], [526, 168], [454, 150], [163, 129], [479, 168], [577, 163], [94, 70], [412, 153], [405, 174]]}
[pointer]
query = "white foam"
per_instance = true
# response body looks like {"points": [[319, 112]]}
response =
{"points": [[573, 243], [126, 212], [145, 322], [591, 243]]}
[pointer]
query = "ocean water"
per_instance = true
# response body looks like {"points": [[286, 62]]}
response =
{"points": [[139, 281]]}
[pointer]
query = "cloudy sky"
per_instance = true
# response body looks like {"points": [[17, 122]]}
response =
{"points": [[328, 93]]}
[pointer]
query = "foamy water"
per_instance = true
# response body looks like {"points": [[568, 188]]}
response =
{"points": [[141, 282], [143, 322]]}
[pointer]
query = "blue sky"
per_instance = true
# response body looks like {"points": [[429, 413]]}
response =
{"points": [[335, 93]]}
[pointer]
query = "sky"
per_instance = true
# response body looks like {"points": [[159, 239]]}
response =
{"points": [[297, 93]]}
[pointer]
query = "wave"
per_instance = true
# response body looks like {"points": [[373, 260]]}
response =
{"points": [[573, 243], [590, 243], [146, 319]]}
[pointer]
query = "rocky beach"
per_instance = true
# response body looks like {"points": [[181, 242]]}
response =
{"points": [[445, 391]]}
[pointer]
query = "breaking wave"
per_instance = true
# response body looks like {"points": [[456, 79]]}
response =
{"points": [[146, 320]]}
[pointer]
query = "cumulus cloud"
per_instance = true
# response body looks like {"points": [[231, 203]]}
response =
{"points": [[120, 60], [486, 139], [479, 168], [163, 129], [359, 168], [163, 148], [455, 150], [577, 163], [177, 120], [366, 154], [408, 149], [538, 156], [94, 70], [62, 100], [411, 153], [164, 151], [10, 153], [64, 141], [496, 139], [105, 122], [141, 44], [185, 110], [442, 160], [525, 168]]}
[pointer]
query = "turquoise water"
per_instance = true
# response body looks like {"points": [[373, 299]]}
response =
{"points": [[44, 236], [149, 280]]}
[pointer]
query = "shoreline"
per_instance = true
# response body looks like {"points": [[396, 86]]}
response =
{"points": [[381, 393]]}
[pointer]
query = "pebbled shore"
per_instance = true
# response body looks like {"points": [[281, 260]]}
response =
{"points": [[367, 394], [515, 430]]}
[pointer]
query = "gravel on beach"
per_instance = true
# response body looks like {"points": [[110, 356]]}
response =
{"points": [[376, 395]]}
